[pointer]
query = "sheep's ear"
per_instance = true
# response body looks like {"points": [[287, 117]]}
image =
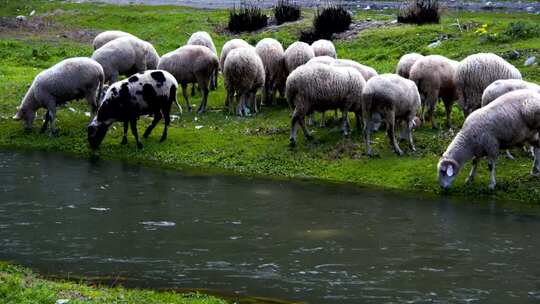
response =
{"points": [[450, 170]]}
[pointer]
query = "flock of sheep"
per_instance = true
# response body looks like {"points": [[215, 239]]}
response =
{"points": [[501, 110]]}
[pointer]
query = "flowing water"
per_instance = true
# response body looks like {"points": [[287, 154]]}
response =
{"points": [[296, 241]]}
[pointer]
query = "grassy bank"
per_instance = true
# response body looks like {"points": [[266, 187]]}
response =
{"points": [[19, 285], [257, 145]]}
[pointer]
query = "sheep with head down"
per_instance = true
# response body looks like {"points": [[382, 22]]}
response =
{"points": [[243, 75], [475, 73], [320, 87], [405, 64], [191, 64], [106, 36], [204, 39], [273, 57], [70, 79], [434, 77], [501, 87], [324, 47], [125, 56], [394, 99], [510, 120]]}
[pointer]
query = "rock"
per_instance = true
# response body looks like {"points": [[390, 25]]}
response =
{"points": [[367, 8], [21, 18], [514, 54], [434, 44], [62, 301], [32, 13], [530, 61], [529, 9]]}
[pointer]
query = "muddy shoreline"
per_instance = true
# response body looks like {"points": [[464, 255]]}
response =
{"points": [[496, 6]]}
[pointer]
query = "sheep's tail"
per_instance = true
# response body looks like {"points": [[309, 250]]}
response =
{"points": [[290, 93]]}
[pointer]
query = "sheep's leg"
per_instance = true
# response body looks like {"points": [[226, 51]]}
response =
{"points": [[239, 104], [307, 134], [133, 125], [409, 135], [294, 122], [536, 164], [509, 155], [403, 131], [322, 123], [448, 108], [311, 119], [253, 97], [45, 122], [186, 98], [345, 122], [114, 77], [358, 117], [92, 100], [155, 121], [491, 167], [431, 101], [51, 111], [203, 85], [390, 130], [229, 102], [167, 121], [266, 94], [367, 133], [192, 90], [124, 137], [472, 174]]}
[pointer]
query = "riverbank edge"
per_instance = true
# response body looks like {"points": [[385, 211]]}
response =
{"points": [[18, 284], [521, 206]]}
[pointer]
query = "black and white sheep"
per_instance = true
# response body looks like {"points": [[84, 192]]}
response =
{"points": [[104, 37], [73, 78], [125, 56], [319, 88], [405, 64], [273, 58], [475, 73], [510, 120], [148, 93], [204, 39], [396, 100], [191, 64], [324, 47], [243, 75], [434, 77]]}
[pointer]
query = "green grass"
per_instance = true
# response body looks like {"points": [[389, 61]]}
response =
{"points": [[257, 145], [21, 286]]}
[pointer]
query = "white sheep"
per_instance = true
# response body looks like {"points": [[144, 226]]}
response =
{"points": [[475, 73], [396, 100], [273, 57], [191, 64], [229, 46], [405, 64], [204, 39], [324, 47], [107, 36], [510, 120], [125, 56], [501, 87], [297, 54], [243, 75], [70, 79], [434, 77], [321, 87]]}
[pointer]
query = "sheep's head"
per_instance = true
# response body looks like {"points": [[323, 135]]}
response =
{"points": [[448, 170], [26, 115], [96, 133]]}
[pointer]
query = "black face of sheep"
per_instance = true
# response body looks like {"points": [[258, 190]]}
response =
{"points": [[448, 171], [96, 133]]}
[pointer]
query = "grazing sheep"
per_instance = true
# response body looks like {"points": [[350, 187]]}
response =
{"points": [[243, 75], [297, 54], [272, 55], [396, 100], [324, 47], [366, 71], [510, 120], [229, 46], [405, 64], [501, 87], [125, 56], [191, 64], [322, 59], [70, 79], [475, 73], [151, 92], [434, 77], [107, 36], [204, 39], [320, 87]]}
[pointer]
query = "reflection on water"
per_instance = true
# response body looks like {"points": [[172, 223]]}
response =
{"points": [[281, 239]]}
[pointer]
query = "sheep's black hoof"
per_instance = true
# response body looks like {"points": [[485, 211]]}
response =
{"points": [[162, 139], [54, 133], [292, 143], [124, 141], [399, 152], [139, 145]]}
